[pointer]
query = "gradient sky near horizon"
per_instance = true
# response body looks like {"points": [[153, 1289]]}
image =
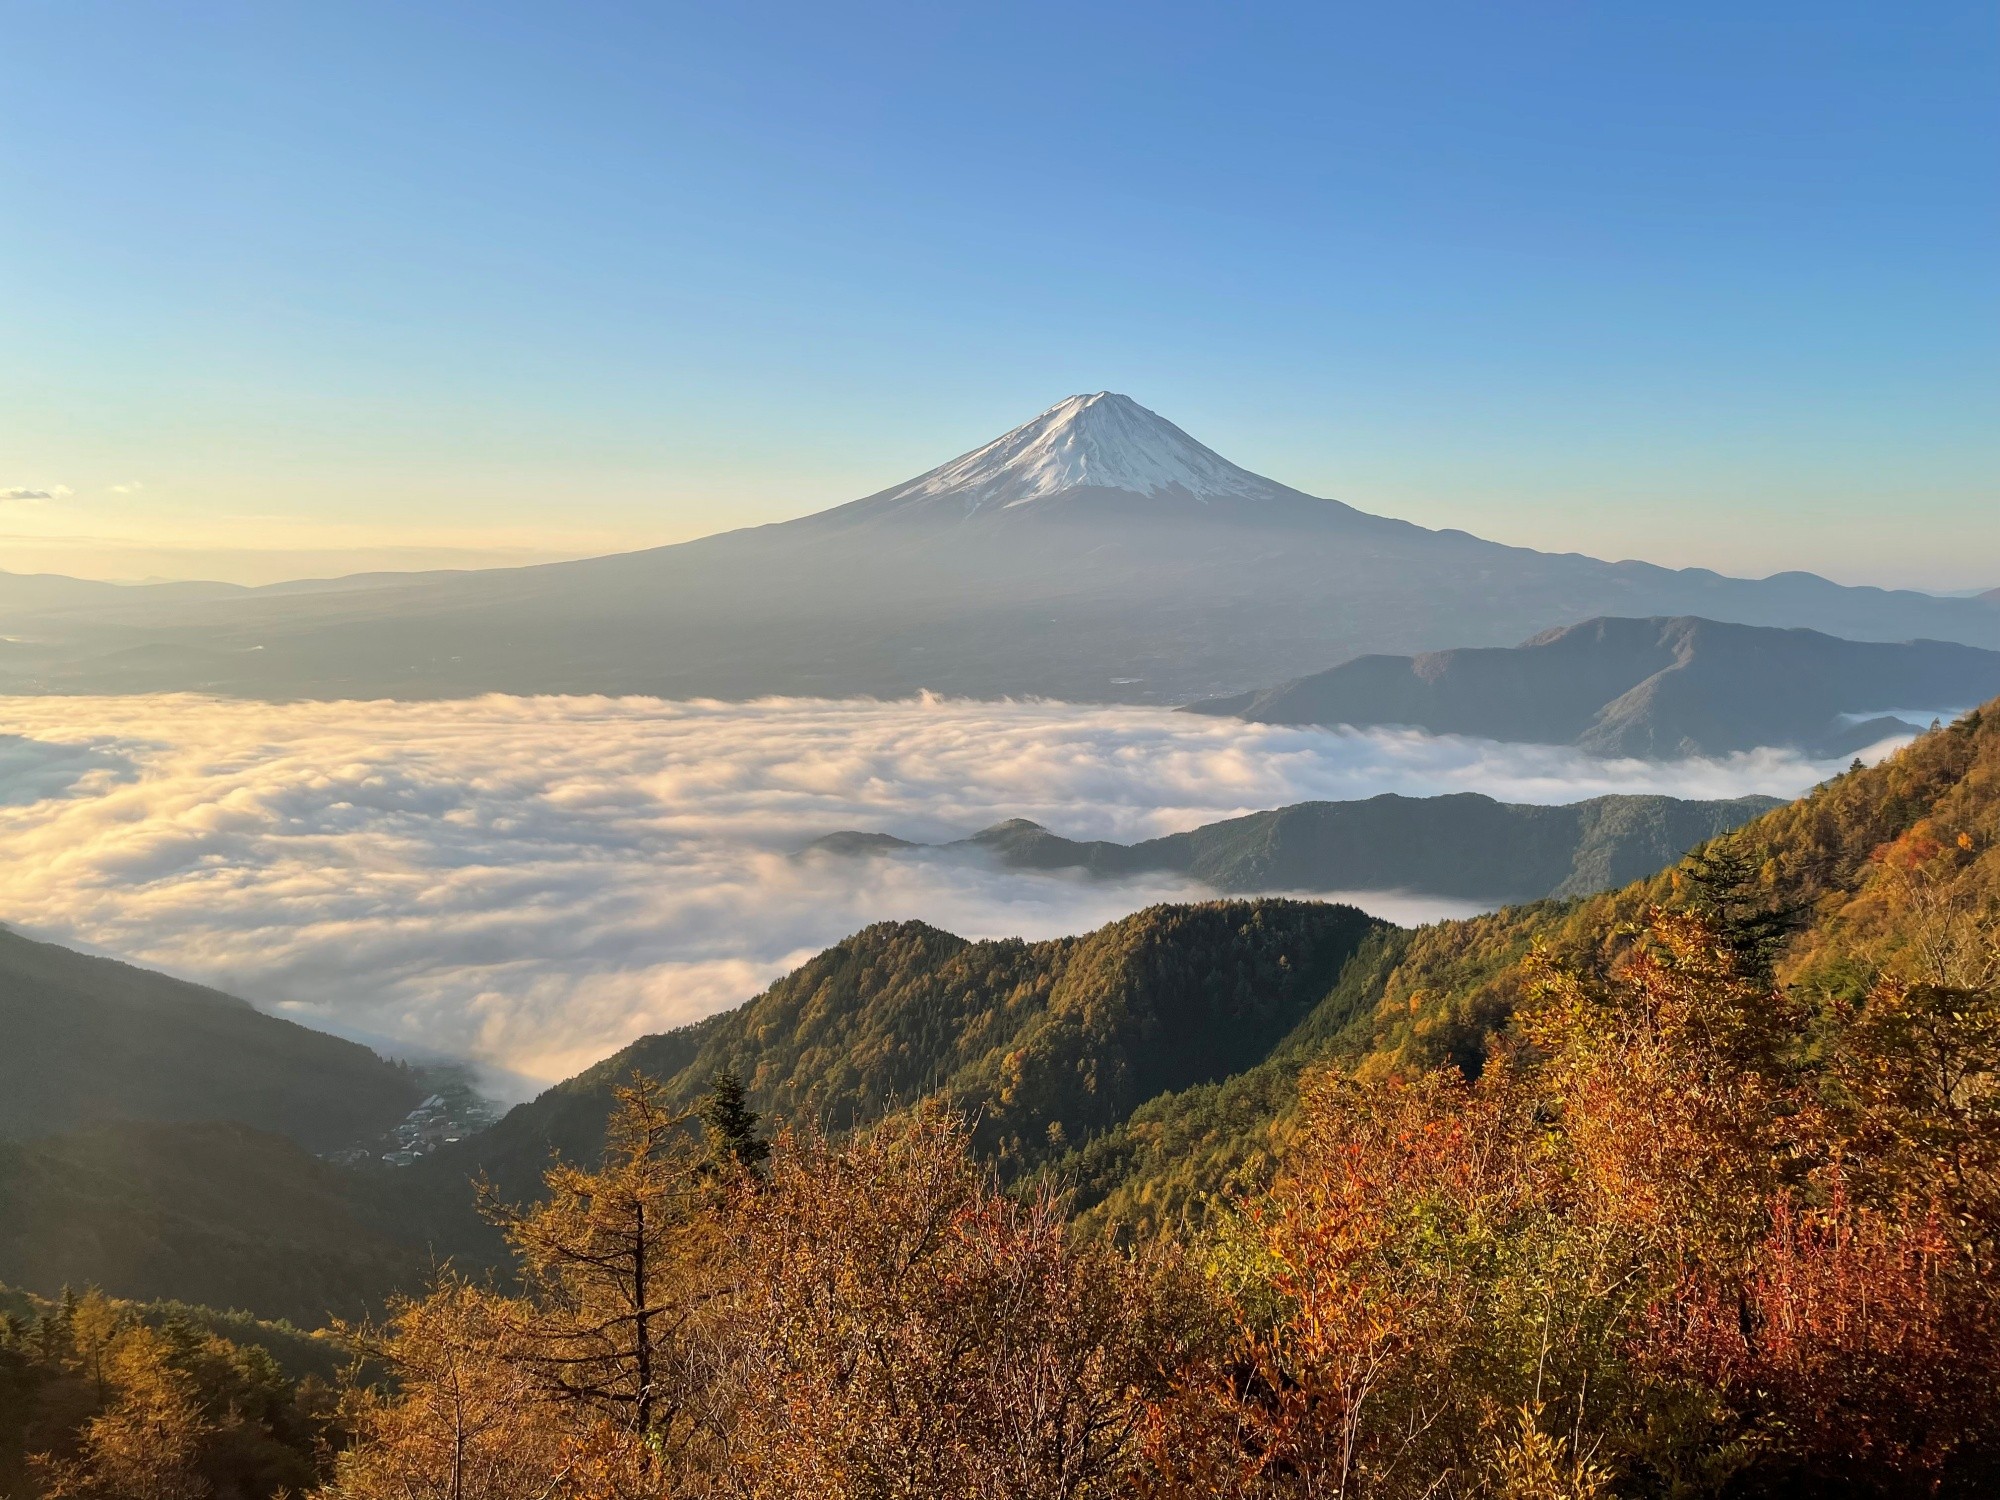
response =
{"points": [[303, 289]]}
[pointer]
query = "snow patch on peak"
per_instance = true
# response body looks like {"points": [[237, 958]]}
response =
{"points": [[1099, 441]]}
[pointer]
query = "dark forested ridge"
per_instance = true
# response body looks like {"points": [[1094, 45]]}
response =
{"points": [[1462, 844], [89, 1042], [211, 1213], [1043, 1043], [1647, 687], [156, 1138]]}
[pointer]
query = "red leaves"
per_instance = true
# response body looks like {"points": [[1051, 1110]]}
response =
{"points": [[1642, 1224], [1850, 1331]]}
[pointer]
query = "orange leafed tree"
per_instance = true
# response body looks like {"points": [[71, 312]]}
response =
{"points": [[1627, 1256], [908, 1330]]}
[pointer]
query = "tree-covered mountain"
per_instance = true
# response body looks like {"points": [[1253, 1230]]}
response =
{"points": [[1094, 553], [834, 1038], [210, 1213], [1891, 872], [87, 1041], [1651, 687], [1463, 845], [156, 1138], [1397, 998], [1044, 1043], [1707, 1166]]}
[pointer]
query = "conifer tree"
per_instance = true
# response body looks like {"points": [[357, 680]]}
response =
{"points": [[1750, 923], [731, 1125], [621, 1264]]}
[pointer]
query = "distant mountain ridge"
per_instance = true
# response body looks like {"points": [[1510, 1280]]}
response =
{"points": [[1461, 845], [1644, 687], [1095, 553]]}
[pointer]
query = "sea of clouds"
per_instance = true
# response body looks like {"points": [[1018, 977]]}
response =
{"points": [[532, 882]]}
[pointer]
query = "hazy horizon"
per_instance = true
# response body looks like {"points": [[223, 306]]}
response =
{"points": [[125, 562]]}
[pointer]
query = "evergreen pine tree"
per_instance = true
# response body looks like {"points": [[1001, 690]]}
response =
{"points": [[1751, 922], [731, 1125]]}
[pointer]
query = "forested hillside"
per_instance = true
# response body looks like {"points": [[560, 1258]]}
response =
{"points": [[1889, 872], [903, 1011], [103, 1397], [209, 1213], [1042, 1043], [899, 1012], [91, 1042], [1690, 1188]]}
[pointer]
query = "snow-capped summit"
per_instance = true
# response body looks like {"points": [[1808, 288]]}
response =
{"points": [[1103, 441]]}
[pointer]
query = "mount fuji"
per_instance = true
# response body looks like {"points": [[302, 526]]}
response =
{"points": [[1104, 443], [1095, 553]]}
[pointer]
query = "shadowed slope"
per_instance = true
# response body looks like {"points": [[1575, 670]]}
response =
{"points": [[88, 1041], [216, 1214]]}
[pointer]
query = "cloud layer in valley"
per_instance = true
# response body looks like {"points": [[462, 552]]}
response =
{"points": [[532, 882]]}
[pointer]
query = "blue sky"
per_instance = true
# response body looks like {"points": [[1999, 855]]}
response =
{"points": [[301, 288]]}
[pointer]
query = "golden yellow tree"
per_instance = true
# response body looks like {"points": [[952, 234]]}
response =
{"points": [[464, 1420], [624, 1273], [146, 1444]]}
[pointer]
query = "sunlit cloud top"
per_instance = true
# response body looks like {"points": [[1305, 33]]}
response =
{"points": [[533, 882]]}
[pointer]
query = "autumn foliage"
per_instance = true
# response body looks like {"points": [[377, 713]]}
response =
{"points": [[1685, 1234], [1680, 1237], [1689, 1231], [107, 1400]]}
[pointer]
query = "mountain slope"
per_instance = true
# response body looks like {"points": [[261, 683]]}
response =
{"points": [[1653, 687], [1047, 1042], [1464, 845], [1144, 1064], [211, 1213], [1890, 871], [1043, 1042], [86, 1041], [1095, 553], [900, 1011]]}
